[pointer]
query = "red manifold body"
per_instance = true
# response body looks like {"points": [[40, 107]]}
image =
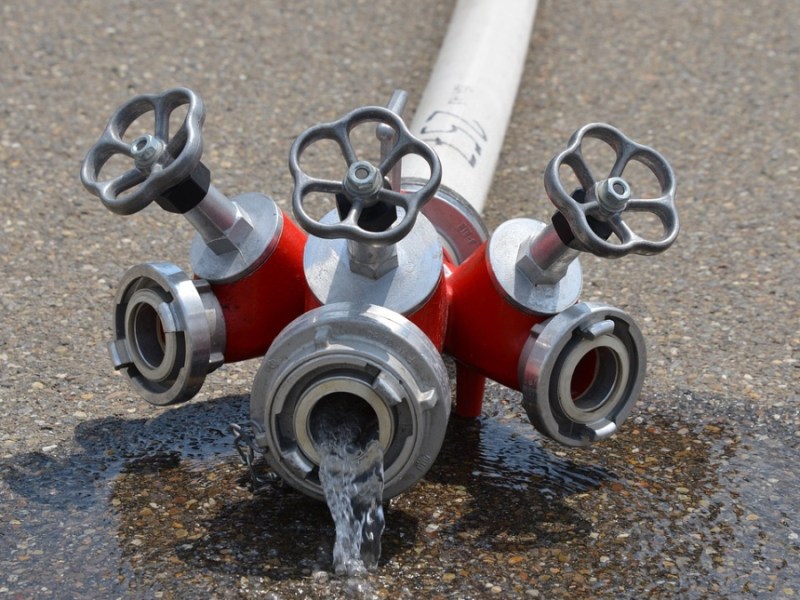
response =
{"points": [[257, 307], [485, 333]]}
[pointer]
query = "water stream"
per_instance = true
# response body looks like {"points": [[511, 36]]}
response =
{"points": [[351, 474]]}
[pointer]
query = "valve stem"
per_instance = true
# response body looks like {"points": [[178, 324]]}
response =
{"points": [[544, 257], [223, 225], [375, 260]]}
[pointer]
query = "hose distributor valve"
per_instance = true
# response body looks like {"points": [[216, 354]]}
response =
{"points": [[580, 367], [172, 329], [375, 247], [370, 341]]}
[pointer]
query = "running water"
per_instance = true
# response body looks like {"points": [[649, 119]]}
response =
{"points": [[351, 474]]}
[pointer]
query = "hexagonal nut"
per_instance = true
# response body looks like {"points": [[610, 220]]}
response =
{"points": [[528, 267], [374, 269], [241, 228], [146, 150], [363, 179], [613, 194]]}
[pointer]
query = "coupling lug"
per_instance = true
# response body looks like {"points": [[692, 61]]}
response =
{"points": [[388, 388], [120, 357], [427, 399], [592, 331]]}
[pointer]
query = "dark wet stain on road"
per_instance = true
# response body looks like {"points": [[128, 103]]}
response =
{"points": [[694, 498]]}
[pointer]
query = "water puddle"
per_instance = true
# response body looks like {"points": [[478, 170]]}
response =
{"points": [[697, 497]]}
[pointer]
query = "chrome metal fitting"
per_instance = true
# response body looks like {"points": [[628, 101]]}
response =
{"points": [[146, 150], [544, 258], [581, 371], [170, 332], [402, 288], [371, 260], [234, 237], [544, 289], [221, 223], [613, 194], [362, 179], [387, 136], [369, 356], [460, 227]]}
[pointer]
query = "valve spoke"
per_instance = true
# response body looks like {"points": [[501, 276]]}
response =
{"points": [[353, 214], [591, 209], [398, 151], [126, 181], [110, 146], [342, 136], [659, 206], [391, 197], [621, 229], [624, 154]]}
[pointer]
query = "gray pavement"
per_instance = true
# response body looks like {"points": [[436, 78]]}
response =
{"points": [[102, 495]]}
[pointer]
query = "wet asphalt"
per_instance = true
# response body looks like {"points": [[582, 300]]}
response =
{"points": [[102, 495]]}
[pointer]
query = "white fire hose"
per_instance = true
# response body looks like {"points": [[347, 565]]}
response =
{"points": [[467, 104]]}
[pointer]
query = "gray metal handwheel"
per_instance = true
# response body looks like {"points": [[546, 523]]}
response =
{"points": [[608, 199], [159, 161], [363, 184]]}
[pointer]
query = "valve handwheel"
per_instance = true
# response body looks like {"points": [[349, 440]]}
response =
{"points": [[364, 183], [608, 199], [159, 161]]}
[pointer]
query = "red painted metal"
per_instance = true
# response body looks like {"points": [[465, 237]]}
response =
{"points": [[470, 387], [485, 332], [466, 317], [431, 317], [257, 307]]}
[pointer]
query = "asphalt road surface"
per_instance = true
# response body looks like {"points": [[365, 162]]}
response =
{"points": [[102, 495]]}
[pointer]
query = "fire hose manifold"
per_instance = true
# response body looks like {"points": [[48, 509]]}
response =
{"points": [[362, 309]]}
